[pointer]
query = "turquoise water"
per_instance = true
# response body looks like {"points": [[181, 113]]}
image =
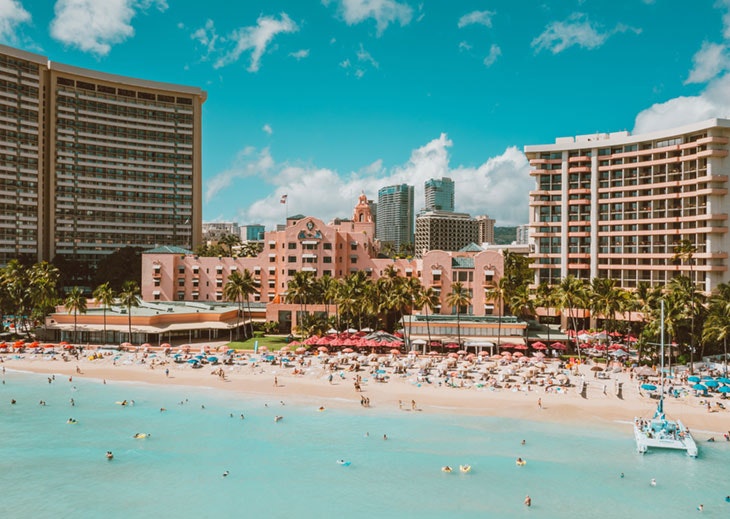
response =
{"points": [[49, 468]]}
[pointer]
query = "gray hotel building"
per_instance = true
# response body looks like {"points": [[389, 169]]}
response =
{"points": [[92, 162]]}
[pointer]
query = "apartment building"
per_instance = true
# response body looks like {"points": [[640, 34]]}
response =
{"points": [[93, 162], [439, 194], [395, 215], [485, 229], [446, 231], [617, 205]]}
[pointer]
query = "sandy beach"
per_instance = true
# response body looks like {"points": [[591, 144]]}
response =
{"points": [[406, 391]]}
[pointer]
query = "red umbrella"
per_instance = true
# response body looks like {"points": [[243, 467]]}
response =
{"points": [[518, 354], [165, 345], [519, 347], [461, 352], [323, 349], [322, 341], [483, 353], [348, 350], [452, 346], [453, 356], [294, 343], [539, 345], [558, 346]]}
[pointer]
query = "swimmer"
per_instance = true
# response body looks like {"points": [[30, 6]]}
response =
{"points": [[622, 475], [385, 436], [321, 408], [71, 420], [701, 508], [242, 417], [653, 482], [225, 474], [109, 455], [162, 409], [277, 418], [711, 439], [12, 402], [727, 499], [528, 501], [523, 442]]}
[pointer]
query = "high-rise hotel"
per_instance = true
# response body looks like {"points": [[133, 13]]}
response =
{"points": [[91, 162], [617, 205]]}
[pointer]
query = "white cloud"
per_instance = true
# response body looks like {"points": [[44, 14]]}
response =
{"points": [[478, 18], [708, 62], [267, 129], [345, 63], [497, 187], [713, 102], [494, 53], [366, 57], [300, 54], [12, 15], [384, 12], [464, 45], [94, 26], [246, 164], [207, 37], [576, 30], [256, 38]]}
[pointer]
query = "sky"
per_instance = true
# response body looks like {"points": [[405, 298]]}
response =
{"points": [[322, 100]]}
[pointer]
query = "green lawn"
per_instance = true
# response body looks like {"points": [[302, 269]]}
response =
{"points": [[272, 342]]}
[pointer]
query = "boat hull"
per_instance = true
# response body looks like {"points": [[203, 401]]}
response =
{"points": [[664, 434]]}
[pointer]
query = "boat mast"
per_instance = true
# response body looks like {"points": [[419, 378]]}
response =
{"points": [[660, 409]]}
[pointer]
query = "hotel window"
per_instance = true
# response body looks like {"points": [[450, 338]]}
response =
{"points": [[327, 273], [196, 281], [157, 282], [181, 296], [292, 246], [181, 269], [436, 275], [327, 259], [218, 283], [291, 273], [292, 259], [327, 246], [353, 245], [218, 296], [181, 282]]}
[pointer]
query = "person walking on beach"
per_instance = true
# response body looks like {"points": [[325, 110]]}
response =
{"points": [[276, 382], [539, 403], [167, 372]]}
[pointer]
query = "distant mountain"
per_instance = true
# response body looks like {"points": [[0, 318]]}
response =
{"points": [[505, 235]]}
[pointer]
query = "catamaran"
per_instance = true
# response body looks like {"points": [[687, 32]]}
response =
{"points": [[659, 432]]}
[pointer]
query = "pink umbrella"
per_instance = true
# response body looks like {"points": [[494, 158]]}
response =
{"points": [[539, 345], [323, 349], [518, 354], [348, 350], [294, 343], [483, 353], [453, 356], [558, 346], [395, 352]]}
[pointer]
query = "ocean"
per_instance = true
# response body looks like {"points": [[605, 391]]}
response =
{"points": [[51, 469]]}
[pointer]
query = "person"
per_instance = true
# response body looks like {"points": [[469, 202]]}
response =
{"points": [[523, 442], [12, 401], [276, 381], [653, 482], [539, 403], [528, 501], [167, 372], [622, 475], [109, 455], [413, 405], [225, 474], [385, 436], [727, 499], [277, 418], [701, 508], [72, 402], [711, 439]]}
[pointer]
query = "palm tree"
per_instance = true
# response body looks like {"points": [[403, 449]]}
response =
{"points": [[230, 241], [717, 325], [522, 304], [684, 251], [606, 299], [427, 299], [569, 296], [15, 281], [128, 298], [299, 289], [544, 297], [104, 295], [497, 294], [75, 302], [43, 286], [458, 298], [235, 290], [251, 249], [249, 289]]}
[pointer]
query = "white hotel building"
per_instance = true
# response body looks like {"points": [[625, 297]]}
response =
{"points": [[616, 205]]}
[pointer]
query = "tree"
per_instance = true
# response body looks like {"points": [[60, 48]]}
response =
{"points": [[43, 287], [497, 294], [75, 302], [458, 298], [427, 299], [128, 297], [299, 290], [118, 267], [15, 281], [251, 249], [717, 325], [606, 299], [230, 241], [104, 295], [569, 296], [237, 288], [684, 251]]}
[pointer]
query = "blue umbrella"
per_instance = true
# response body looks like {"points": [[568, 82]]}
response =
{"points": [[711, 383], [706, 377], [699, 387], [724, 389], [177, 356], [648, 387], [724, 380], [212, 359], [193, 361], [693, 378]]}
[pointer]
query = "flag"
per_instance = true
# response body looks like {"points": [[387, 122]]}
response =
{"points": [[283, 199]]}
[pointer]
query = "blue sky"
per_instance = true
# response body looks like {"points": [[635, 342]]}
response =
{"points": [[324, 99]]}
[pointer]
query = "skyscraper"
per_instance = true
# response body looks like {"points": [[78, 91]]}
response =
{"points": [[394, 222], [93, 162], [439, 194]]}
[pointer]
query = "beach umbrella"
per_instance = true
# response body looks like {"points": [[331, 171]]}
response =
{"points": [[699, 387], [518, 354], [558, 346], [165, 345], [395, 352], [724, 380], [300, 350], [348, 350], [693, 378], [539, 346], [285, 348], [323, 349], [724, 389], [648, 387], [711, 383], [596, 368], [193, 361], [212, 359]]}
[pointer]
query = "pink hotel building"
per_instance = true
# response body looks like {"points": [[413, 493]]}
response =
{"points": [[616, 205], [307, 244]]}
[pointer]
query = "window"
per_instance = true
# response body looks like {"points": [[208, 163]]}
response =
{"points": [[157, 282], [292, 246], [181, 296], [327, 259], [157, 296], [181, 282], [292, 259], [327, 246], [353, 246], [181, 269]]}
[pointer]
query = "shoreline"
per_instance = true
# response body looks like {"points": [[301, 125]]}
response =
{"points": [[314, 388]]}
